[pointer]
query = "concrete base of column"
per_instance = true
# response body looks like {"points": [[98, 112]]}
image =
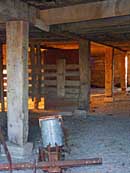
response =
{"points": [[108, 99], [18, 152]]}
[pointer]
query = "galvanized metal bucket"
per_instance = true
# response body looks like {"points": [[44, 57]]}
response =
{"points": [[51, 131]]}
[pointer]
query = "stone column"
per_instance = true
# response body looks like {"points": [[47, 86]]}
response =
{"points": [[61, 77], [109, 74], [123, 75], [17, 81], [84, 66]]}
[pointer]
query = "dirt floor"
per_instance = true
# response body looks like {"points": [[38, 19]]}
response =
{"points": [[105, 133], [106, 137]]}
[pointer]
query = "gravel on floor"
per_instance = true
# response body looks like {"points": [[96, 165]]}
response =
{"points": [[105, 136]]}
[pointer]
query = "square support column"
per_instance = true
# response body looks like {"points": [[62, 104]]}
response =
{"points": [[84, 65], [123, 75], [109, 74], [128, 68], [1, 79], [61, 77], [17, 81]]}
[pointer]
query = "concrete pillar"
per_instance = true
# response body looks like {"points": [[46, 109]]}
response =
{"points": [[17, 81], [123, 75], [109, 73], [61, 77], [84, 66]]}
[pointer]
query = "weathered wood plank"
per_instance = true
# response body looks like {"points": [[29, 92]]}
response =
{"points": [[109, 72], [49, 67], [86, 11], [85, 80], [72, 83], [32, 67], [97, 25], [18, 10], [47, 74], [17, 33], [39, 77], [72, 96], [61, 77], [49, 82], [72, 90], [45, 66], [72, 74], [72, 66], [122, 71], [1, 80]]}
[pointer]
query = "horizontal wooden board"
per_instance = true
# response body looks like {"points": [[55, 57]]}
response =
{"points": [[72, 91], [72, 66], [75, 96], [71, 74], [72, 83]]}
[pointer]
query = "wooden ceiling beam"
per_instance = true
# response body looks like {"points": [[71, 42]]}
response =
{"points": [[86, 11], [93, 25], [18, 10]]}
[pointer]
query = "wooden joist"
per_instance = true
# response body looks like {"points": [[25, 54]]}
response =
{"points": [[19, 10], [86, 11]]}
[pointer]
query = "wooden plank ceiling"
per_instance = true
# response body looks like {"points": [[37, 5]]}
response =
{"points": [[47, 4], [113, 31], [109, 31]]}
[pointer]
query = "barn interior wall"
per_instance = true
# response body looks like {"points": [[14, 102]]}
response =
{"points": [[47, 73]]}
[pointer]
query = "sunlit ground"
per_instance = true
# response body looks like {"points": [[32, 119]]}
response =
{"points": [[31, 104], [96, 99]]}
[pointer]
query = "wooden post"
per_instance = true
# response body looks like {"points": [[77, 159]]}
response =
{"points": [[32, 58], [43, 54], [38, 49], [17, 81], [109, 73], [128, 68], [84, 65], [36, 73], [61, 77], [1, 80], [122, 66]]}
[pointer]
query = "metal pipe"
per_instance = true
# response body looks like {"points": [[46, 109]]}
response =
{"points": [[46, 165], [17, 166], [77, 163]]}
